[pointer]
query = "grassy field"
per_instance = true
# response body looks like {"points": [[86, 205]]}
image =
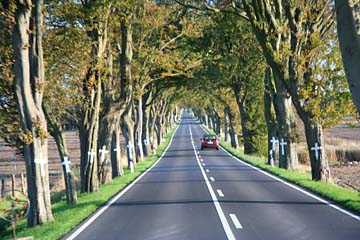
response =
{"points": [[347, 198], [69, 216]]}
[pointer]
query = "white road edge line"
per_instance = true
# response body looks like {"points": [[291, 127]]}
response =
{"points": [[212, 179], [224, 222], [235, 221], [114, 199], [220, 193], [356, 217]]}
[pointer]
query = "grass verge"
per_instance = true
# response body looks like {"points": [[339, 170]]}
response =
{"points": [[68, 217], [347, 198]]}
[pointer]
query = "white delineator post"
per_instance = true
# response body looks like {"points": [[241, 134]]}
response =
{"points": [[271, 158], [283, 143], [273, 142], [103, 151], [129, 146], [66, 163], [145, 141], [152, 144], [131, 164], [92, 154], [316, 148], [41, 162]]}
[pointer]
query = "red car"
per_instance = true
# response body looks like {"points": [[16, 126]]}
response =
{"points": [[210, 141]]}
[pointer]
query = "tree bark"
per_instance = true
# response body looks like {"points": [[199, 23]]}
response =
{"points": [[117, 167], [109, 122], [152, 134], [348, 29], [89, 125], [146, 130], [271, 123], [139, 130], [29, 81], [226, 132], [286, 125], [319, 165], [89, 141], [128, 133], [107, 128], [60, 138]]}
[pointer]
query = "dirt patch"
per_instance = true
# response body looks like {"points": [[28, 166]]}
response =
{"points": [[347, 176], [352, 134]]}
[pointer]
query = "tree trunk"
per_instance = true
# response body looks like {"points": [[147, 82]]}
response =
{"points": [[109, 121], [152, 120], [139, 131], [107, 128], [146, 132], [29, 79], [320, 170], [232, 133], [286, 121], [128, 133], [226, 132], [268, 113], [58, 134], [89, 142], [89, 124], [348, 28], [117, 167]]}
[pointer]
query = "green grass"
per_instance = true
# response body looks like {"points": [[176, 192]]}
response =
{"points": [[347, 198], [69, 216]]}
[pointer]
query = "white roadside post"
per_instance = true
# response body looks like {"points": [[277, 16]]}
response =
{"points": [[103, 151], [316, 148], [41, 162], [152, 145], [145, 141], [129, 146], [271, 158], [66, 163], [283, 143], [92, 154]]}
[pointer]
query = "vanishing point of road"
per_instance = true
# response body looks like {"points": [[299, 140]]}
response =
{"points": [[194, 194]]}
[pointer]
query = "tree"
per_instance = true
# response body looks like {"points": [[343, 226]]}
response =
{"points": [[29, 84], [61, 98], [9, 118], [97, 14], [290, 34], [232, 59], [347, 14]]}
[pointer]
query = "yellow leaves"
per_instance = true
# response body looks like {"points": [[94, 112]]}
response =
{"points": [[39, 130], [26, 137], [26, 45], [92, 81]]}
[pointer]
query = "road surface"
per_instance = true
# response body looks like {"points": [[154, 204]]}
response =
{"points": [[194, 194]]}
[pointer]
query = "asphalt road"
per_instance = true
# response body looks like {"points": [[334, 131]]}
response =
{"points": [[194, 194]]}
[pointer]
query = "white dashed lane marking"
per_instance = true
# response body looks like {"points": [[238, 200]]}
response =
{"points": [[235, 221], [220, 193], [212, 179]]}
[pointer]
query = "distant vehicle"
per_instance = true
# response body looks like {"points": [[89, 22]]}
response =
{"points": [[210, 141]]}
